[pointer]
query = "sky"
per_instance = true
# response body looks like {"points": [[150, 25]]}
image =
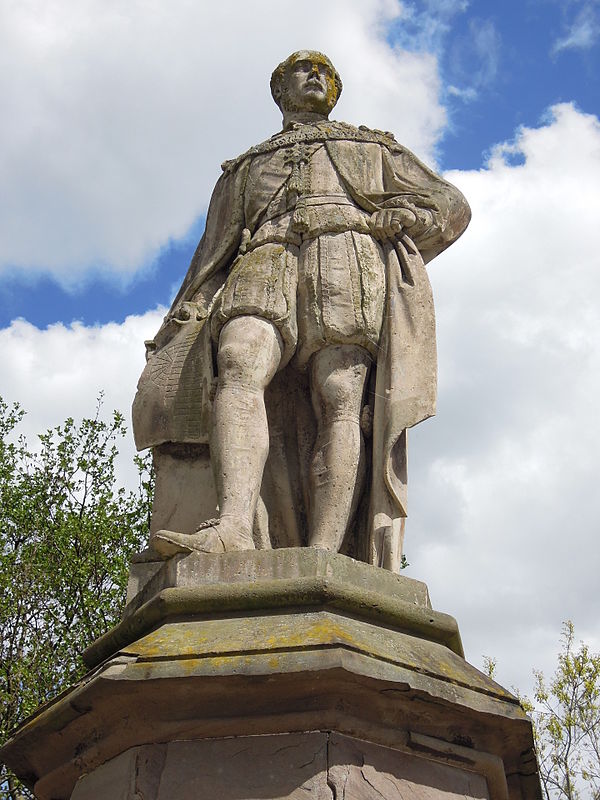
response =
{"points": [[116, 118]]}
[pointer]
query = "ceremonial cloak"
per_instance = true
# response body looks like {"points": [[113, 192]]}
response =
{"points": [[173, 403]]}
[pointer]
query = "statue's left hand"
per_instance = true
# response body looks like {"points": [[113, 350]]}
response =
{"points": [[187, 311], [390, 222]]}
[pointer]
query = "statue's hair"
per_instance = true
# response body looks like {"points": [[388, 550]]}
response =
{"points": [[280, 72]]}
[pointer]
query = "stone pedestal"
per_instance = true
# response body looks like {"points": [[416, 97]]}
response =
{"points": [[278, 674]]}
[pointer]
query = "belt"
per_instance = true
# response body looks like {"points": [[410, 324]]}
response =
{"points": [[324, 199]]}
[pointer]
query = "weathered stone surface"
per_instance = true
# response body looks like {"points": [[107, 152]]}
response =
{"points": [[262, 581], [133, 775], [359, 770], [321, 765], [349, 664], [301, 344], [119, 709], [200, 569], [184, 490], [286, 767]]}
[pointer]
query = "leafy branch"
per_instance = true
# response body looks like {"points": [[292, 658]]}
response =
{"points": [[66, 533]]}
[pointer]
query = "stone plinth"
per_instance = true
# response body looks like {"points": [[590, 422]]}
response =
{"points": [[278, 674], [318, 765]]}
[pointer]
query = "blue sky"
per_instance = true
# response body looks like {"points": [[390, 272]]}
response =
{"points": [[116, 119]]}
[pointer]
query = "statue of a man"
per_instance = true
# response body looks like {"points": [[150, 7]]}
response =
{"points": [[306, 326]]}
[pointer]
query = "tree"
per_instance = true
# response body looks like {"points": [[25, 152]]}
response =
{"points": [[566, 721], [66, 533]]}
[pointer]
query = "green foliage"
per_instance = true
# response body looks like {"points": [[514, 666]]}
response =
{"points": [[489, 666], [66, 533], [566, 718]]}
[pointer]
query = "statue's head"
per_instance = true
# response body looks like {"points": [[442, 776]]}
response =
{"points": [[306, 81]]}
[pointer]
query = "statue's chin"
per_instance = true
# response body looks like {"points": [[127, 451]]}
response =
{"points": [[311, 104]]}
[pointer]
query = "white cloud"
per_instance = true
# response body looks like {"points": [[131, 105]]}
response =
{"points": [[474, 59], [504, 497], [583, 32], [467, 95], [116, 117], [424, 26], [61, 371], [485, 41]]}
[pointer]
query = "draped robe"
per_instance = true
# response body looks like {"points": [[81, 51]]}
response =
{"points": [[174, 393]]}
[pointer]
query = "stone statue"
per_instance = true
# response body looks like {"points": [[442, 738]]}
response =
{"points": [[301, 345]]}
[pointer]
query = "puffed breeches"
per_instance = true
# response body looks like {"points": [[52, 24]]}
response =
{"points": [[329, 290]]}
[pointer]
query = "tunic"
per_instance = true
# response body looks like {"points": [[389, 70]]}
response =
{"points": [[311, 266]]}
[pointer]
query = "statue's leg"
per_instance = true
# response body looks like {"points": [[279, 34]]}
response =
{"points": [[338, 378], [249, 353]]}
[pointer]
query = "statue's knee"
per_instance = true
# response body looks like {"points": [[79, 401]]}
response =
{"points": [[249, 352], [340, 399], [338, 388], [231, 360]]}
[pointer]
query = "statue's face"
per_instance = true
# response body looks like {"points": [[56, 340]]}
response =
{"points": [[309, 86]]}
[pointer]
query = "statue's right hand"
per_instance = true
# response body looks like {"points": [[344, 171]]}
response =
{"points": [[389, 223]]}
